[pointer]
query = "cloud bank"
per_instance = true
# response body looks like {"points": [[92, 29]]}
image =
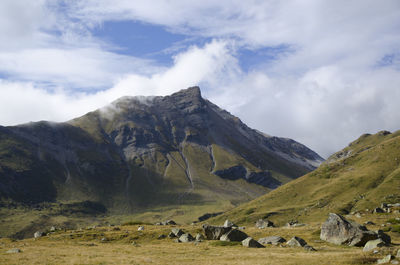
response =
{"points": [[336, 77]]}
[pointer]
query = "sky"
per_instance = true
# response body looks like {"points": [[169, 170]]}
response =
{"points": [[321, 72]]}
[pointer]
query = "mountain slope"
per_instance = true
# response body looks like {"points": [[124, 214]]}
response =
{"points": [[361, 176], [148, 154]]}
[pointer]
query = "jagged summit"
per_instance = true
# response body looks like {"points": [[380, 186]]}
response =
{"points": [[143, 152]]}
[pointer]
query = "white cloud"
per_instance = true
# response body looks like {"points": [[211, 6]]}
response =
{"points": [[326, 92]]}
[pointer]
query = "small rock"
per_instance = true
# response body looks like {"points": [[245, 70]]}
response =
{"points": [[372, 244], [38, 234], [369, 223], [52, 229], [241, 227], [394, 262], [228, 223], [104, 239], [309, 248], [186, 238], [14, 250], [171, 235], [177, 232], [161, 237], [263, 223], [296, 242], [140, 228], [199, 237], [385, 259], [251, 243], [378, 210], [274, 240]]}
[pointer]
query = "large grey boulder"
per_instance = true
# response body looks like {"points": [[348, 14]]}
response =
{"points": [[296, 242], [215, 232], [186, 238], [339, 231], [373, 244], [251, 243], [274, 240], [263, 223], [234, 236]]}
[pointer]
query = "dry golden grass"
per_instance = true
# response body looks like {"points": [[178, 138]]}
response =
{"points": [[85, 247]]}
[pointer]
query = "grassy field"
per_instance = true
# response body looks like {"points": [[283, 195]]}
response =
{"points": [[126, 245]]}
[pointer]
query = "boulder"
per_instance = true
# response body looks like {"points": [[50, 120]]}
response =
{"points": [[14, 250], [171, 235], [199, 237], [385, 237], [251, 243], [274, 240], [234, 236], [378, 210], [186, 238], [372, 244], [263, 223], [38, 234], [52, 229], [339, 231], [385, 259], [228, 223], [215, 232], [161, 237], [140, 228], [168, 222], [296, 242], [309, 248], [177, 232]]}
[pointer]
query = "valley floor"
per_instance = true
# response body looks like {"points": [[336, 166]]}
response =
{"points": [[126, 245]]}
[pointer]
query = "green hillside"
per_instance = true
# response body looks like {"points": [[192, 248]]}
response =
{"points": [[360, 177]]}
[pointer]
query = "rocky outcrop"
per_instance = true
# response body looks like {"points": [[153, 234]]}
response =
{"points": [[339, 231]]}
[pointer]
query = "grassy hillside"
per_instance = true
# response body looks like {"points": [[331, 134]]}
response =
{"points": [[360, 177]]}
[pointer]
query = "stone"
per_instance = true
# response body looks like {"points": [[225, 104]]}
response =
{"points": [[373, 244], [263, 223], [38, 234], [296, 242], [52, 229], [177, 232], [171, 235], [228, 223], [215, 232], [199, 237], [385, 237], [14, 250], [294, 224], [140, 228], [394, 262], [309, 248], [186, 238], [378, 210], [234, 236], [104, 239], [385, 259], [337, 230], [167, 222], [161, 237], [251, 243], [274, 240]]}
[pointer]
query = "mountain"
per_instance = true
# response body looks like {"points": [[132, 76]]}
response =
{"points": [[359, 177], [138, 154]]}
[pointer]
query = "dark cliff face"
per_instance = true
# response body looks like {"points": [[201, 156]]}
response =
{"points": [[144, 151]]}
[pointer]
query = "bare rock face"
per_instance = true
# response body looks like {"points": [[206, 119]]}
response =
{"points": [[339, 231], [215, 232]]}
